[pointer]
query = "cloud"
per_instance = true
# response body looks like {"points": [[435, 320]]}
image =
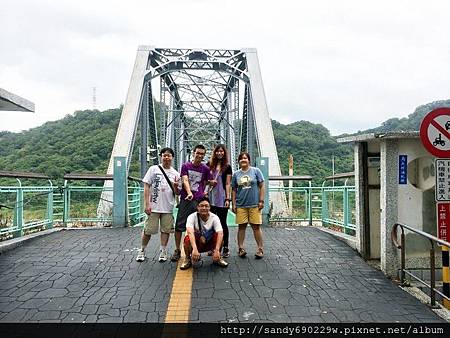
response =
{"points": [[348, 65]]}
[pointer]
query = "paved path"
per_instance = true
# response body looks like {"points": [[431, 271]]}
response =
{"points": [[91, 276]]}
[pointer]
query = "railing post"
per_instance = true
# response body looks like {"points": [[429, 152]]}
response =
{"points": [[402, 257], [65, 203], [345, 206], [310, 204], [18, 211], [291, 173], [324, 205], [120, 192], [263, 164], [50, 206], [432, 275]]}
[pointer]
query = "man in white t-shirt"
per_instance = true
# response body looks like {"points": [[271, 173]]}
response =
{"points": [[160, 188], [204, 233]]}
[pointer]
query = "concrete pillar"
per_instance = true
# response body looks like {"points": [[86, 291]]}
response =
{"points": [[389, 205], [359, 196], [263, 164], [120, 192]]}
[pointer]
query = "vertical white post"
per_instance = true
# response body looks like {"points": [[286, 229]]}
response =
{"points": [[291, 173]]}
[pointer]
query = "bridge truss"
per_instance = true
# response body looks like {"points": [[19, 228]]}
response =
{"points": [[205, 96]]}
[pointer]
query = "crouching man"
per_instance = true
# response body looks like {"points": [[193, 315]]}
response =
{"points": [[204, 233]]}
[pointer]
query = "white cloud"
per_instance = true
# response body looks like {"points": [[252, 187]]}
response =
{"points": [[349, 65]]}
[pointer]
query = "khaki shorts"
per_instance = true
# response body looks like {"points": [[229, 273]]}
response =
{"points": [[154, 220], [248, 215]]}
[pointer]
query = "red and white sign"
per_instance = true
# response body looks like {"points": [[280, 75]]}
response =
{"points": [[443, 220], [435, 132]]}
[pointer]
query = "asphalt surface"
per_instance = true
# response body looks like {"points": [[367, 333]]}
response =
{"points": [[91, 276]]}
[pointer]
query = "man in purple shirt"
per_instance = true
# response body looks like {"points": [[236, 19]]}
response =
{"points": [[194, 177]]}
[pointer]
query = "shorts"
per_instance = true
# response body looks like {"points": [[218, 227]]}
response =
{"points": [[248, 215], [157, 218], [184, 210], [208, 246]]}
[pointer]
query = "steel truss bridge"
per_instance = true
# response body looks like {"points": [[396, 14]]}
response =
{"points": [[206, 96]]}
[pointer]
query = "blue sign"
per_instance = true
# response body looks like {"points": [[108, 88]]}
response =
{"points": [[402, 169]]}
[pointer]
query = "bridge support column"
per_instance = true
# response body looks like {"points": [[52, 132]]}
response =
{"points": [[120, 192], [263, 164]]}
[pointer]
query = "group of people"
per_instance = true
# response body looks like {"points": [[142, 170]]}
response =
{"points": [[206, 193]]}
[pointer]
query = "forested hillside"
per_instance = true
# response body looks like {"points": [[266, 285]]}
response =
{"points": [[313, 149], [412, 122], [82, 142]]}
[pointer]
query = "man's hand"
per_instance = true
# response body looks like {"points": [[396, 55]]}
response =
{"points": [[195, 255], [260, 205], [148, 210], [176, 185], [227, 204], [216, 255], [234, 209], [213, 183], [189, 196]]}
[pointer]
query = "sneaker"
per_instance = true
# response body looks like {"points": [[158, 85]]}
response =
{"points": [[162, 256], [176, 255], [187, 263], [221, 262], [141, 256], [225, 252]]}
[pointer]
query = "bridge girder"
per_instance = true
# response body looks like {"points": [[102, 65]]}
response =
{"points": [[201, 101]]}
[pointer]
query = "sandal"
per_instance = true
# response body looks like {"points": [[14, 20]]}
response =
{"points": [[259, 253], [225, 252], [242, 253]]}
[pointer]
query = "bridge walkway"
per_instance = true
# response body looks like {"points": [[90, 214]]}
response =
{"points": [[91, 276]]}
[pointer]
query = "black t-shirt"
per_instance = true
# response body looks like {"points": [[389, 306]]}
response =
{"points": [[225, 172]]}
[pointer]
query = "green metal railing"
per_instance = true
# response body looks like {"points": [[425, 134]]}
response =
{"points": [[80, 205], [331, 206], [25, 209], [136, 207], [22, 210]]}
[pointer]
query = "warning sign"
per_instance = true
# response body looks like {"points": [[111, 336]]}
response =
{"points": [[443, 220], [442, 179], [435, 132]]}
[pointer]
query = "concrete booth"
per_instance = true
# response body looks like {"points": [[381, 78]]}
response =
{"points": [[395, 182]]}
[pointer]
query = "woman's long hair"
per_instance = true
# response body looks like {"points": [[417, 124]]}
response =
{"points": [[214, 160]]}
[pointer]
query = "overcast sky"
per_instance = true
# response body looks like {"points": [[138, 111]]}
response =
{"points": [[348, 65]]}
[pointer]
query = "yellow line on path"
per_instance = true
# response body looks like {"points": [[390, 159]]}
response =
{"points": [[180, 297]]}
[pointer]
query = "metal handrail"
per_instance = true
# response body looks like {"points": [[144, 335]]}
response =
{"points": [[402, 248]]}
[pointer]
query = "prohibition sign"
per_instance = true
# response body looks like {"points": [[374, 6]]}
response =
{"points": [[435, 132]]}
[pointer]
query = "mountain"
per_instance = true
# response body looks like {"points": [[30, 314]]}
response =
{"points": [[410, 123], [83, 142], [313, 149]]}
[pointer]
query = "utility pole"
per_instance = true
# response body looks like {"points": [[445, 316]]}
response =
{"points": [[94, 98]]}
